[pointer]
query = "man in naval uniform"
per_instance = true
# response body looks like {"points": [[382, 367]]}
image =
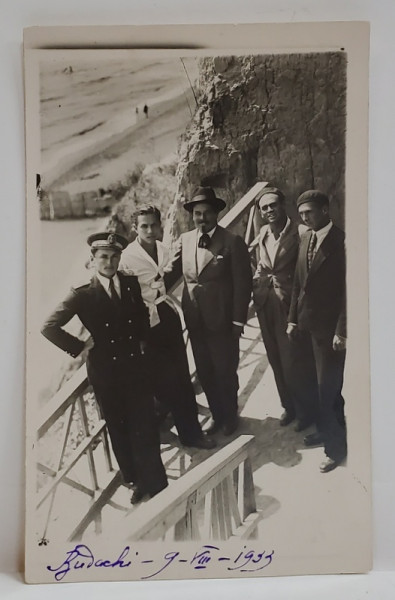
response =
{"points": [[217, 275], [111, 308]]}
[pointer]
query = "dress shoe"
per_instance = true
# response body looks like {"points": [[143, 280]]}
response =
{"points": [[204, 442], [137, 495], [328, 465], [302, 424], [286, 418], [313, 439], [212, 427], [230, 427]]}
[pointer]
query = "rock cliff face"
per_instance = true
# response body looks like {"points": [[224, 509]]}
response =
{"points": [[275, 118]]}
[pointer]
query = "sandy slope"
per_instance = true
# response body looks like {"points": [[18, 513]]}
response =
{"points": [[104, 162]]}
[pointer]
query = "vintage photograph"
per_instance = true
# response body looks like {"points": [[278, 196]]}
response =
{"points": [[192, 404]]}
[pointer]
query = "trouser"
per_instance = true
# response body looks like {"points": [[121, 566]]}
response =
{"points": [[217, 357], [127, 406], [329, 366], [169, 369], [289, 365]]}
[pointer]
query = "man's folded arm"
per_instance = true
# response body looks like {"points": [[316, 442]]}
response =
{"points": [[53, 330]]}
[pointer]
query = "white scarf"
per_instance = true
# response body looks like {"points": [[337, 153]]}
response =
{"points": [[136, 261]]}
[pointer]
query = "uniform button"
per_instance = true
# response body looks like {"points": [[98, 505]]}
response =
{"points": [[132, 355], [112, 341], [130, 337], [107, 324], [114, 358], [129, 321]]}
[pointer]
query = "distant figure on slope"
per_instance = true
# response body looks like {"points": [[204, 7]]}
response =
{"points": [[145, 109]]}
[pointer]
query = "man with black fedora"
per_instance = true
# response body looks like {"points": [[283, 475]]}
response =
{"points": [[111, 308], [317, 320], [216, 268]]}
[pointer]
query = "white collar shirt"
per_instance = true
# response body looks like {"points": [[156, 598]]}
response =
{"points": [[272, 244], [105, 281], [200, 252], [321, 235]]}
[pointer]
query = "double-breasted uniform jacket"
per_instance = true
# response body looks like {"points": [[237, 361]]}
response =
{"points": [[319, 295], [117, 371], [116, 337], [279, 275], [218, 293]]}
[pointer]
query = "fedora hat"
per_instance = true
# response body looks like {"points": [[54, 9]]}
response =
{"points": [[207, 195]]}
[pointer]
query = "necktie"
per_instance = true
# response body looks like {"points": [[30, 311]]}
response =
{"points": [[204, 240], [113, 294], [311, 249]]}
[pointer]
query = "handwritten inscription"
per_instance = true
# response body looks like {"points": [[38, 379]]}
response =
{"points": [[246, 561]]}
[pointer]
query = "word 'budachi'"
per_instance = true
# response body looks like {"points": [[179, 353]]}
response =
{"points": [[246, 561]]}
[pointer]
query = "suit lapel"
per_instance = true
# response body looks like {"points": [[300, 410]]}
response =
{"points": [[215, 247], [287, 241], [264, 257], [189, 253], [100, 294], [322, 253]]}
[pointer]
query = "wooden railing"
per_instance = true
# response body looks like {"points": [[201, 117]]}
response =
{"points": [[74, 408], [215, 500]]}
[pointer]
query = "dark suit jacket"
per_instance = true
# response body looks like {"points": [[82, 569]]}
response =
{"points": [[219, 293], [116, 335], [319, 296], [278, 276]]}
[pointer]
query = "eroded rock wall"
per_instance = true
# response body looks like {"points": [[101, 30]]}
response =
{"points": [[276, 118]]}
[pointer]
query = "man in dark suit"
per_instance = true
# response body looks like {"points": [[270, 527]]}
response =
{"points": [[272, 288], [217, 275], [318, 312], [111, 308]]}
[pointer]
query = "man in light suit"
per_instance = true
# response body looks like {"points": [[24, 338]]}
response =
{"points": [[272, 287], [318, 315], [217, 275], [111, 308]]}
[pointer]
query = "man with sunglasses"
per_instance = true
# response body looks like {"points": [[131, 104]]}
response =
{"points": [[272, 289]]}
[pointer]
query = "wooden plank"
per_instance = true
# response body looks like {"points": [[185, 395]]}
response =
{"points": [[250, 224], [220, 511], [206, 531], [226, 505], [89, 452], [242, 205], [234, 510], [114, 481], [214, 516], [106, 449], [248, 527], [165, 506], [67, 394], [249, 491], [76, 455], [181, 529], [74, 484]]}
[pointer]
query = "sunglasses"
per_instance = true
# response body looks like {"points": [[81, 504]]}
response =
{"points": [[266, 207]]}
